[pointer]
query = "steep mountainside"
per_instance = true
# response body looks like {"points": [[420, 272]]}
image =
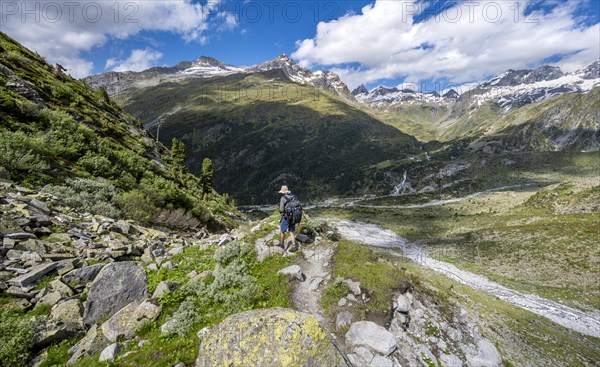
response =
{"points": [[262, 130], [56, 131]]}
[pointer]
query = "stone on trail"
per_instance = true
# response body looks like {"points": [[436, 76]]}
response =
{"points": [[371, 335], [117, 285], [343, 319], [269, 337], [293, 272]]}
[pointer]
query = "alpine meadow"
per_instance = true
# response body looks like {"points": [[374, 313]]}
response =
{"points": [[407, 183]]}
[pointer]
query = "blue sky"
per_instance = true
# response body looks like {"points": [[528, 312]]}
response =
{"points": [[372, 42]]}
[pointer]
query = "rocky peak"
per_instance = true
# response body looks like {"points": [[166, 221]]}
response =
{"points": [[592, 71], [361, 89], [452, 94], [525, 76]]}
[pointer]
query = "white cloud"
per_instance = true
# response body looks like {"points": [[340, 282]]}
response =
{"points": [[62, 30], [466, 42], [138, 60]]}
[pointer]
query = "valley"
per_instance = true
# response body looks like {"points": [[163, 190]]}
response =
{"points": [[138, 223]]}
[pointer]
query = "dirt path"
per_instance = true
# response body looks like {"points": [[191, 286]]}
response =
{"points": [[314, 262], [568, 317]]}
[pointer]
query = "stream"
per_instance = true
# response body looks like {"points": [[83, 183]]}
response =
{"points": [[373, 235]]}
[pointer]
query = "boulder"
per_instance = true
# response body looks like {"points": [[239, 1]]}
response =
{"points": [[82, 275], [302, 238], [450, 360], [93, 342], [34, 274], [50, 299], [110, 353], [354, 286], [293, 272], [36, 205], [165, 287], [129, 319], [115, 286], [269, 337], [487, 355], [70, 314], [379, 361], [402, 304], [343, 319], [372, 336]]}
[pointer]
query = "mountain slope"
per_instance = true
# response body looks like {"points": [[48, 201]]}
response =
{"points": [[56, 131], [263, 130]]}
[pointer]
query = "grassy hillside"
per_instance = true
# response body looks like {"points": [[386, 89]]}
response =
{"points": [[58, 133], [563, 122], [261, 131]]}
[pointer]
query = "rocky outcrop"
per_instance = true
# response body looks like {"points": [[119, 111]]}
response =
{"points": [[117, 285], [271, 337]]}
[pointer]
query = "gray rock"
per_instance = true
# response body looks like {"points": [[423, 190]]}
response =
{"points": [[342, 302], [20, 236], [354, 286], [129, 319], [302, 238], [175, 251], [165, 287], [70, 314], [450, 360], [61, 288], [202, 333], [371, 335], [38, 206], [83, 275], [93, 342], [402, 304], [117, 285], [293, 272], [487, 355], [223, 240], [121, 227], [110, 353], [343, 319], [152, 267], [14, 254], [168, 265], [379, 361], [365, 355], [34, 274], [51, 299]]}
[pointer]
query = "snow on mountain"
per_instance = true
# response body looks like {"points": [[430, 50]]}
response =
{"points": [[511, 89], [514, 89], [207, 66]]}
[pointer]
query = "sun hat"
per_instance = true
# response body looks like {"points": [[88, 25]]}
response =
{"points": [[284, 190]]}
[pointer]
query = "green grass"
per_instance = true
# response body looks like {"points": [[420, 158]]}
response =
{"points": [[378, 280]]}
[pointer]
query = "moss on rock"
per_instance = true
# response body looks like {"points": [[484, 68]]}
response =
{"points": [[270, 337]]}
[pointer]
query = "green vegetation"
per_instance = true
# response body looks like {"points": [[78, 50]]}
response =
{"points": [[264, 128], [379, 279], [542, 242], [16, 336], [91, 153]]}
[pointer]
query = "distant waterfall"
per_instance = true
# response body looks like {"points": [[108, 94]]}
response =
{"points": [[400, 187]]}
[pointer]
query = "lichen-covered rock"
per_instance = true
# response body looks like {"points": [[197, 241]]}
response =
{"points": [[117, 285], [271, 337], [129, 319]]}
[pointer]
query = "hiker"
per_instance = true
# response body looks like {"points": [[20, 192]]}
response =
{"points": [[287, 222]]}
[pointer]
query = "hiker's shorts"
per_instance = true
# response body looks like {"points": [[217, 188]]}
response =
{"points": [[284, 226]]}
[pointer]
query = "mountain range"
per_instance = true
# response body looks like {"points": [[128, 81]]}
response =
{"points": [[278, 123]]}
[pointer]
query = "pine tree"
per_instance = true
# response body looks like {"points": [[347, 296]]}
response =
{"points": [[206, 179], [104, 95], [178, 159]]}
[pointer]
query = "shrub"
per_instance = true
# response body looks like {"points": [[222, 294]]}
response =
{"points": [[61, 91], [138, 206], [66, 137], [96, 165], [20, 154], [16, 334], [97, 197]]}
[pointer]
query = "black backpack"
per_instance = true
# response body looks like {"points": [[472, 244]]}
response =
{"points": [[293, 209]]}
